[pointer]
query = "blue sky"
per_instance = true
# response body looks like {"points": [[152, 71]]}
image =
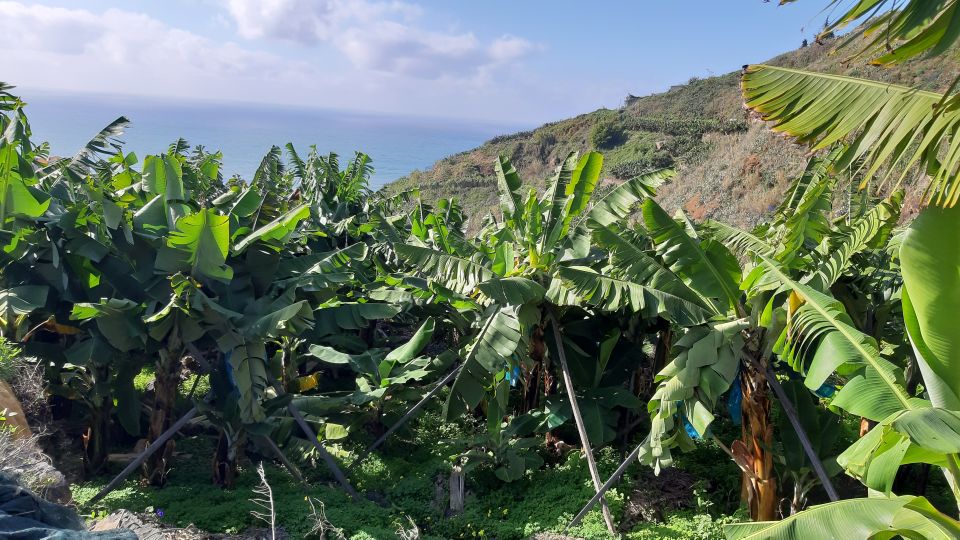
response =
{"points": [[520, 61]]}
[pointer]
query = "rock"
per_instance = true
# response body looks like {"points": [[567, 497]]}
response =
{"points": [[147, 527], [124, 519], [56, 488]]}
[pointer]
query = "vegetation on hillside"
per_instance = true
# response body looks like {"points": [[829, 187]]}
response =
{"points": [[728, 167]]}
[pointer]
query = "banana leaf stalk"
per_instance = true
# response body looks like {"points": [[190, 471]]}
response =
{"points": [[581, 428]]}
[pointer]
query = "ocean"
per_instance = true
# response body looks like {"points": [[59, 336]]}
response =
{"points": [[244, 132]]}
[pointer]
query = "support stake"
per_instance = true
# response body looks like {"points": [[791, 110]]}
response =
{"points": [[581, 428], [308, 431], [291, 468], [147, 452], [403, 420], [606, 486], [791, 413]]}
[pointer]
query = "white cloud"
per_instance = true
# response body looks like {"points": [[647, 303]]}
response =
{"points": [[376, 35], [396, 48], [308, 21], [124, 40], [398, 68]]}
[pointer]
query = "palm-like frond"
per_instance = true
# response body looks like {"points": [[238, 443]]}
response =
{"points": [[275, 233], [568, 195], [629, 258], [103, 145], [803, 224], [708, 267], [611, 294], [455, 273], [898, 30], [270, 168], [817, 169], [738, 240], [491, 351], [891, 125], [837, 252], [178, 147], [876, 517], [8, 101], [617, 204], [821, 340], [354, 181], [508, 183], [296, 164]]}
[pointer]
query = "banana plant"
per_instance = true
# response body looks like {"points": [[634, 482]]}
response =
{"points": [[909, 429], [57, 227], [743, 338], [539, 263], [886, 124]]}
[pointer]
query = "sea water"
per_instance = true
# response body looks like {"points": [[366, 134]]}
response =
{"points": [[244, 132]]}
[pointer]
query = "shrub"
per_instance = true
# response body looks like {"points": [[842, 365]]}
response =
{"points": [[689, 126], [633, 168], [607, 134]]}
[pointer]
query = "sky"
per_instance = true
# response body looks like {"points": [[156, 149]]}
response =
{"points": [[506, 61]]}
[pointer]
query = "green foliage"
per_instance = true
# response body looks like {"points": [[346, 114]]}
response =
{"points": [[696, 126], [355, 306], [9, 359], [607, 134], [916, 142], [406, 476], [897, 31]]}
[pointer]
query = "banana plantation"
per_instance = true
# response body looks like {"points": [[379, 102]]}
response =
{"points": [[300, 318]]}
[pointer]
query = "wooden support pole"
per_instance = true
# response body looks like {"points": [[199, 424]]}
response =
{"points": [[409, 414], [791, 412], [147, 452], [581, 428], [308, 431], [606, 486], [283, 459]]}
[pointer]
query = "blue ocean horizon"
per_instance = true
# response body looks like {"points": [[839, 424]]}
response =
{"points": [[244, 132]]}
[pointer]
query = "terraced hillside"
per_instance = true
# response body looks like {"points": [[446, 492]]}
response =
{"points": [[730, 166]]}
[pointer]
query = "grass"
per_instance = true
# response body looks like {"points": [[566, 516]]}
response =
{"points": [[10, 360], [404, 480]]}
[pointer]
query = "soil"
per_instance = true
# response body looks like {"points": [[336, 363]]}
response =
{"points": [[672, 489]]}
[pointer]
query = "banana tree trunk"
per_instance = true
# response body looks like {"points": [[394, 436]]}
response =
{"points": [[225, 461], [757, 438], [165, 388], [96, 439]]}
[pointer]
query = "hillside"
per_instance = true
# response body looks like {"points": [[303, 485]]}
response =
{"points": [[729, 166]]}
